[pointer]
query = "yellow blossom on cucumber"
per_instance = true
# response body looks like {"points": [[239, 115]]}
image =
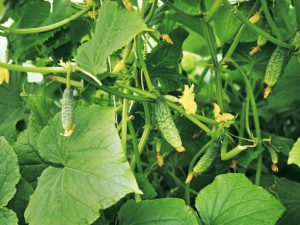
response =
{"points": [[255, 18], [167, 39], [128, 5], [4, 75], [223, 118], [187, 100], [159, 159]]}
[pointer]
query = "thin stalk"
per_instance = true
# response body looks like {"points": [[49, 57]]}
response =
{"points": [[146, 132], [135, 148], [257, 29], [139, 48], [170, 5], [152, 10], [64, 81], [35, 69], [180, 183], [45, 28], [192, 118], [256, 121], [270, 20], [205, 119], [212, 49], [124, 123], [137, 90], [213, 10]]}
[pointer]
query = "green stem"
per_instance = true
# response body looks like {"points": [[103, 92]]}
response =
{"points": [[242, 124], [124, 123], [206, 119], [212, 49], [139, 46], [151, 13], [69, 80], [33, 69], [226, 155], [146, 132], [192, 118], [255, 28], [180, 183], [213, 10], [63, 80], [256, 121], [135, 148], [239, 34], [167, 3], [270, 20], [44, 28], [137, 90]]}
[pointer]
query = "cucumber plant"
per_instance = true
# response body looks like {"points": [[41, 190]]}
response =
{"points": [[144, 112]]}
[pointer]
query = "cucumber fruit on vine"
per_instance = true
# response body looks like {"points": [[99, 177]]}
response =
{"points": [[275, 68], [166, 125], [67, 112], [205, 161]]}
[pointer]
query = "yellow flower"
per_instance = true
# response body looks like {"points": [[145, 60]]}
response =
{"points": [[224, 118], [4, 75], [167, 39], [187, 100]]}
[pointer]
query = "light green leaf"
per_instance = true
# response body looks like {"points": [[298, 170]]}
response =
{"points": [[233, 199], [89, 170], [8, 217], [294, 156], [165, 211], [9, 172], [11, 106], [114, 29]]}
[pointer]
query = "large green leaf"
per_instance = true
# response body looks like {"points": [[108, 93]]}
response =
{"points": [[233, 199], [288, 193], [11, 106], [38, 14], [294, 156], [89, 170], [166, 211], [114, 29], [9, 177]]}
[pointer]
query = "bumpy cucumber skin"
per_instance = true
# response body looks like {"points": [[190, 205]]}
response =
{"points": [[67, 110], [166, 125], [207, 159], [275, 65]]}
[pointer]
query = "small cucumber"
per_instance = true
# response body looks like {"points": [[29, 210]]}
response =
{"points": [[166, 125], [67, 112], [207, 159], [275, 68]]}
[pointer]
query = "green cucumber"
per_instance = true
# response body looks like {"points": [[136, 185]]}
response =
{"points": [[166, 125], [207, 159], [275, 67], [67, 112]]}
